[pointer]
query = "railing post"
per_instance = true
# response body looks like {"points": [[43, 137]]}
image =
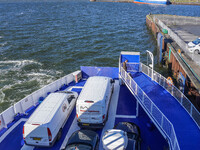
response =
{"points": [[164, 84], [160, 79], [172, 90], [191, 110], [32, 99], [120, 72], [152, 74], [152, 63], [136, 89], [140, 67], [22, 108], [151, 107], [143, 97], [161, 122], [174, 144], [181, 98]]}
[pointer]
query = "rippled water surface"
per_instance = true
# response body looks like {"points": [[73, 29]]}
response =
{"points": [[40, 42]]}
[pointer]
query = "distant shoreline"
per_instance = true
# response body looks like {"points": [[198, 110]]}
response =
{"points": [[173, 2], [185, 3]]}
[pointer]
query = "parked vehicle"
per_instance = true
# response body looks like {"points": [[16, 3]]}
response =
{"points": [[83, 140], [194, 46], [131, 139], [93, 103], [45, 125]]}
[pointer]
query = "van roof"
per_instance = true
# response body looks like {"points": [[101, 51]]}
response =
{"points": [[47, 109], [94, 89]]}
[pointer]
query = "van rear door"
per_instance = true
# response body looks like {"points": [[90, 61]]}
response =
{"points": [[90, 112], [36, 134]]}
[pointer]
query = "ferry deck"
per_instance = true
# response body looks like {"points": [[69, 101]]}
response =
{"points": [[164, 123]]}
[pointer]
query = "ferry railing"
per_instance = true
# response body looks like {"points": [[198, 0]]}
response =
{"points": [[161, 120], [7, 116], [175, 92]]}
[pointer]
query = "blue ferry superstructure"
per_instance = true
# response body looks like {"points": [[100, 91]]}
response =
{"points": [[166, 118], [165, 2]]}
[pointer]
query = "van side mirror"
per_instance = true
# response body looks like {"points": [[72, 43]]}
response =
{"points": [[112, 81]]}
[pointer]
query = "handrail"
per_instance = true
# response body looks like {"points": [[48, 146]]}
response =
{"points": [[176, 93], [161, 120]]}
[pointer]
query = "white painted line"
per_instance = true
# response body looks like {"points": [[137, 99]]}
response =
{"points": [[125, 116], [74, 127], [26, 147], [11, 128], [112, 111]]}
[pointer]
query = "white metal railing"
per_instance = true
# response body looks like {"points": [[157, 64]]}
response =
{"points": [[23, 105], [175, 92], [164, 124]]}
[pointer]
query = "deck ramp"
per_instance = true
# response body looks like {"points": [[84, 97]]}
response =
{"points": [[170, 117], [187, 132]]}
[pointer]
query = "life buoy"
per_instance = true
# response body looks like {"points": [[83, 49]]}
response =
{"points": [[179, 51], [170, 81]]}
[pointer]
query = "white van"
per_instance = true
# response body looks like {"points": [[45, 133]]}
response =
{"points": [[93, 103], [45, 125]]}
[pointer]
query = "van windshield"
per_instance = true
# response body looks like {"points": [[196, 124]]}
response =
{"points": [[78, 147], [70, 98]]}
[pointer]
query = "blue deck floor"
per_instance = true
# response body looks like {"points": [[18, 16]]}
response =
{"points": [[14, 139], [126, 103], [187, 132], [151, 138]]}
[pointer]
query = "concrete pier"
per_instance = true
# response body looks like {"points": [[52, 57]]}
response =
{"points": [[172, 34]]}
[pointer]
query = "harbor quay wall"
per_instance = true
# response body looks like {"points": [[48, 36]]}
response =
{"points": [[172, 57], [185, 2]]}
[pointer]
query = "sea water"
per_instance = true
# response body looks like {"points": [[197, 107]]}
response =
{"points": [[43, 41]]}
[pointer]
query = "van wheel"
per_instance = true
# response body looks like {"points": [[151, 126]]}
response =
{"points": [[59, 134], [196, 51]]}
